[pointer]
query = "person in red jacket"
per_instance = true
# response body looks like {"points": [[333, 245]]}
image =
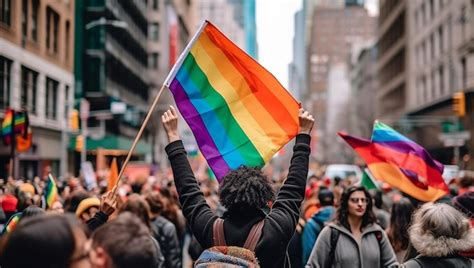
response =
{"points": [[246, 193]]}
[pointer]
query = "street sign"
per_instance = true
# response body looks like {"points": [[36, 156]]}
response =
{"points": [[455, 139]]}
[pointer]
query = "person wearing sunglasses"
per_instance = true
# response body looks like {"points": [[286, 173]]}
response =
{"points": [[354, 239]]}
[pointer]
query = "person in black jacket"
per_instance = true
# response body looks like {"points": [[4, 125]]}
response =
{"points": [[246, 194], [164, 230]]}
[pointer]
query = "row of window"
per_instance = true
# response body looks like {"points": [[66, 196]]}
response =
{"points": [[432, 47], [29, 89], [431, 86], [427, 11], [30, 24]]}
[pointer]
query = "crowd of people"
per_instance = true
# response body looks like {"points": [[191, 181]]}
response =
{"points": [[247, 221]]}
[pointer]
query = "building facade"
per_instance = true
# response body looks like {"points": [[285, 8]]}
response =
{"points": [[431, 58], [36, 73], [333, 31]]}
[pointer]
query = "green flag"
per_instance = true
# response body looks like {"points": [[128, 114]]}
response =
{"points": [[367, 181]]}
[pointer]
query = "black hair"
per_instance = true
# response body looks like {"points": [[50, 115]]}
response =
{"points": [[326, 197], [378, 201], [399, 223], [245, 189], [31, 211], [74, 200], [41, 241], [342, 213], [127, 241]]}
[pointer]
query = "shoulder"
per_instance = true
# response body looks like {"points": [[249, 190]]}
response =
{"points": [[410, 264]]}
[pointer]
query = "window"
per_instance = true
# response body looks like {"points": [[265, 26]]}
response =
{"points": [[432, 9], [5, 82], [153, 31], [432, 44], [5, 12], [156, 5], [441, 39], [29, 80], [34, 20], [154, 60], [441, 80], [463, 73], [51, 98], [52, 28], [66, 49], [24, 19], [66, 102]]}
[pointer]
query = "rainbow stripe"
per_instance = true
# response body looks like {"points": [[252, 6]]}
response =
{"points": [[50, 192], [239, 113], [7, 126], [395, 159], [12, 223]]}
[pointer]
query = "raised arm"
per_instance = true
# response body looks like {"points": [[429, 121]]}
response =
{"points": [[286, 208], [195, 209]]}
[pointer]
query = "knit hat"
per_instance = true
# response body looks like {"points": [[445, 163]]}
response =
{"points": [[465, 203], [9, 203], [326, 197], [86, 204]]}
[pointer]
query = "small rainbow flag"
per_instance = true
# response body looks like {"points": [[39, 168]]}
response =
{"points": [[397, 160], [12, 223], [7, 126], [50, 192], [239, 113]]}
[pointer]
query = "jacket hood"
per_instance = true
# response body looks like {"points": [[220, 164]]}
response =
{"points": [[428, 245], [324, 214]]}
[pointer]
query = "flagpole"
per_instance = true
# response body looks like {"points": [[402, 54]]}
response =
{"points": [[137, 138]]}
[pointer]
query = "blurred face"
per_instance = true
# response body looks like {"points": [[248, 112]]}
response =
{"points": [[57, 207], [357, 204], [89, 213], [80, 257]]}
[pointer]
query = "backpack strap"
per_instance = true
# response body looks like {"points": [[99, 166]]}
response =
{"points": [[218, 232], [332, 251], [254, 236]]}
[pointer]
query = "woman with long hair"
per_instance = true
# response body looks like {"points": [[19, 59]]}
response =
{"points": [[354, 239], [398, 230]]}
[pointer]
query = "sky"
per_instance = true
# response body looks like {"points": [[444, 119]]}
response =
{"points": [[275, 30]]}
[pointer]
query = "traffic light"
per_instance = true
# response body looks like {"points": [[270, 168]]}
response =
{"points": [[74, 120], [79, 142], [459, 104]]}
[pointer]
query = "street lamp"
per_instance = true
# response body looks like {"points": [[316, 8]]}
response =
{"points": [[103, 21]]}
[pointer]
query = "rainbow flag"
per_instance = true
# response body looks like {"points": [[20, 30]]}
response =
{"points": [[397, 160], [7, 126], [50, 192], [239, 113], [12, 223]]}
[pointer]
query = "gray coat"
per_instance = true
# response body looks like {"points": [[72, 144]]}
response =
{"points": [[348, 252]]}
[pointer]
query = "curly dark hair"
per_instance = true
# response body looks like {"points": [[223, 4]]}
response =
{"points": [[399, 223], [342, 213], [245, 189]]}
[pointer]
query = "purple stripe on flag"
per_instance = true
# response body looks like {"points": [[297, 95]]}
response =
{"points": [[413, 177], [203, 138], [413, 148]]}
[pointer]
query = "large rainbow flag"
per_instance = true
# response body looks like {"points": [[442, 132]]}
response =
{"points": [[239, 113], [402, 163], [12, 223]]}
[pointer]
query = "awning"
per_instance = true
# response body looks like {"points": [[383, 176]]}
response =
{"points": [[113, 143]]}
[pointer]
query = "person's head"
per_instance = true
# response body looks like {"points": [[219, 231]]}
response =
{"points": [[123, 242], [156, 202], [355, 202], [400, 218], [440, 230], [465, 204], [31, 211], [87, 208], [74, 200], [245, 189], [46, 240], [326, 197], [57, 207], [137, 205], [378, 201]]}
